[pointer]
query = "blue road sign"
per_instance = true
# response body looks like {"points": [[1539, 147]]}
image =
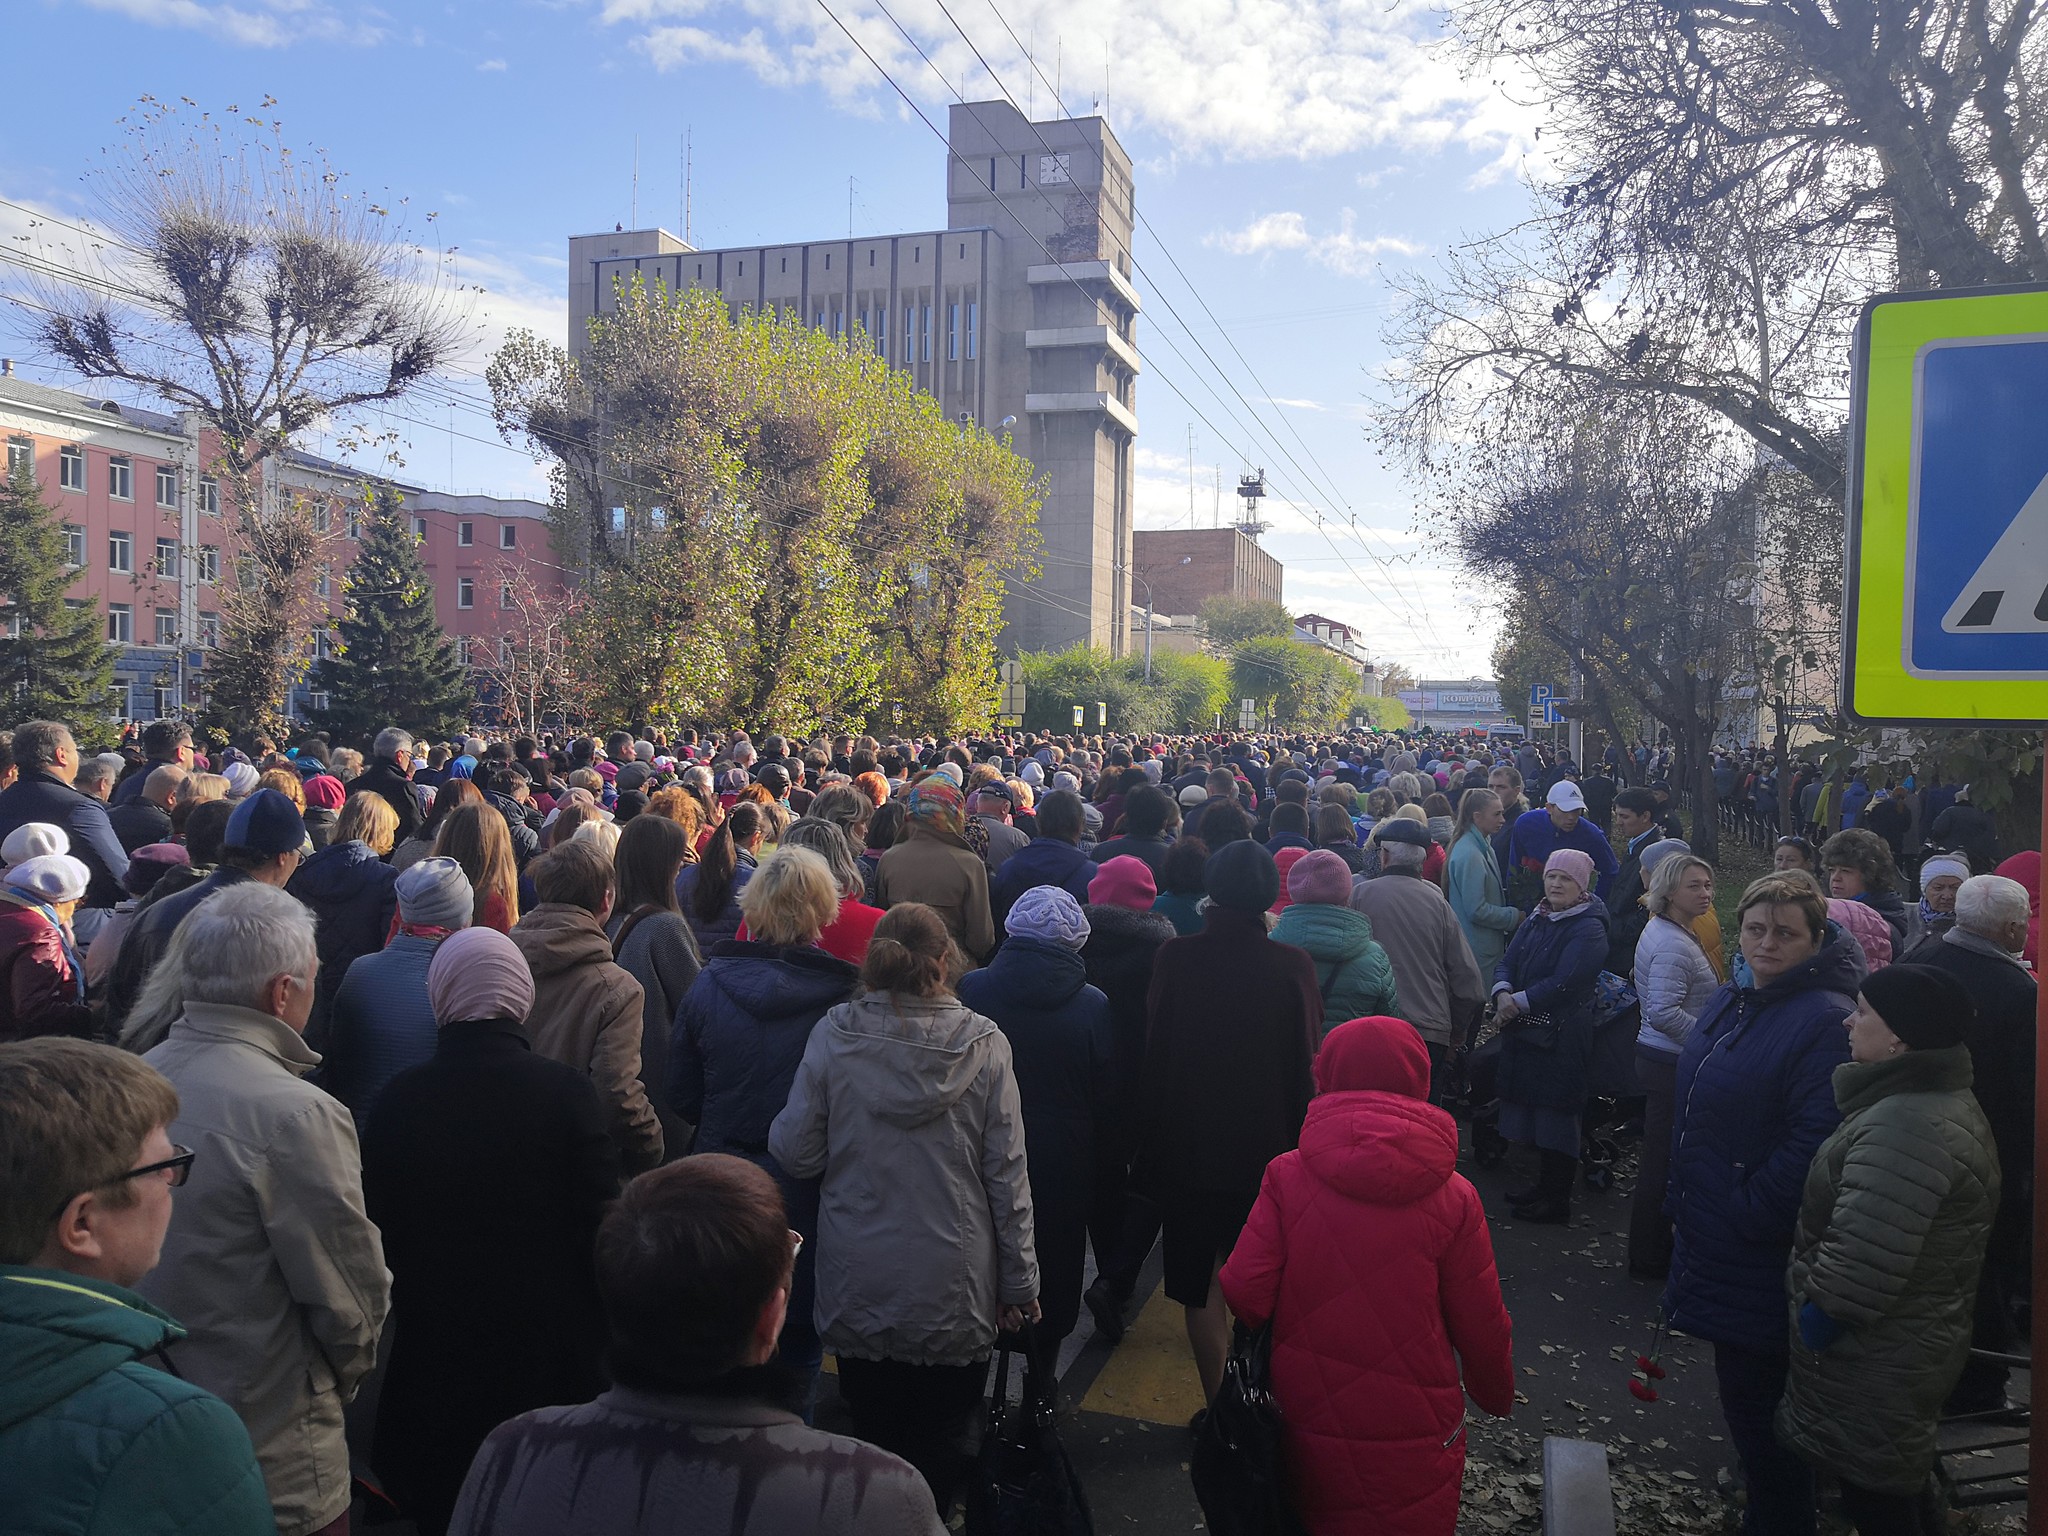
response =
{"points": [[1538, 692], [1977, 522], [1553, 712]]}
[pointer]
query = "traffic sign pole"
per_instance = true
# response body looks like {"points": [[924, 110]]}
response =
{"points": [[2037, 1423]]}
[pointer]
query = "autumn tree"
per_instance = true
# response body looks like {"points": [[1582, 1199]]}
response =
{"points": [[527, 672], [1230, 621], [258, 289]]}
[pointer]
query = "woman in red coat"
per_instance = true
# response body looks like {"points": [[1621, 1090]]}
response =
{"points": [[1370, 1255]]}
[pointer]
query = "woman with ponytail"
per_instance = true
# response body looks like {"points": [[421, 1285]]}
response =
{"points": [[709, 890], [905, 1108]]}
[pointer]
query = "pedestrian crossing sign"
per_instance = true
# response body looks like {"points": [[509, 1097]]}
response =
{"points": [[1945, 611]]}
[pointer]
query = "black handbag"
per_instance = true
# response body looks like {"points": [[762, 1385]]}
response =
{"points": [[1024, 1482], [1238, 1465]]}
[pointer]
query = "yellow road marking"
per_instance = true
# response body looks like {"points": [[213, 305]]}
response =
{"points": [[1152, 1375]]}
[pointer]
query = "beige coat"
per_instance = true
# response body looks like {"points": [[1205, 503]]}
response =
{"points": [[932, 868], [586, 1014], [270, 1261], [1441, 988]]}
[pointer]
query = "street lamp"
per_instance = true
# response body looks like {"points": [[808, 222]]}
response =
{"points": [[1135, 576]]}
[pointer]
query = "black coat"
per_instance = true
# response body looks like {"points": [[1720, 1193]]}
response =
{"points": [[149, 935], [1121, 948], [139, 823], [383, 778], [40, 796], [487, 1170], [353, 896]]}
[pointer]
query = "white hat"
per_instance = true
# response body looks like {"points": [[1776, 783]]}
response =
{"points": [[1939, 864], [32, 839], [1566, 796], [50, 877]]}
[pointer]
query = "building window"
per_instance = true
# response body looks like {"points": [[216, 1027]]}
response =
{"points": [[167, 558], [317, 703], [462, 649], [323, 581], [355, 522], [952, 333], [71, 469], [167, 626], [909, 332], [209, 496], [209, 563], [505, 651], [871, 258], [828, 261], [657, 518], [120, 551], [508, 536], [818, 320], [465, 534], [323, 517], [925, 352], [785, 266], [504, 594], [121, 479], [618, 522], [419, 527], [21, 454], [209, 629], [74, 545], [166, 486], [120, 623], [973, 318], [465, 593]]}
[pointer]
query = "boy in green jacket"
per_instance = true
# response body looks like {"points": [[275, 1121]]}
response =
{"points": [[92, 1441]]}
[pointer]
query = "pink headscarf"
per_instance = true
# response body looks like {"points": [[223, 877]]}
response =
{"points": [[479, 974]]}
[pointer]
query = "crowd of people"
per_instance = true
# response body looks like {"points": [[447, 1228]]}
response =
{"points": [[582, 1096]]}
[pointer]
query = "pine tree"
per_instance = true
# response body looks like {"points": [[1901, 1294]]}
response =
{"points": [[54, 662], [394, 666]]}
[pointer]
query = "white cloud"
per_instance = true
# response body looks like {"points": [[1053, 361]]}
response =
{"points": [[1298, 405], [491, 67], [1230, 78], [267, 24], [1342, 250]]}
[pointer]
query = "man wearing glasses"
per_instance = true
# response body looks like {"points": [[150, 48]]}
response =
{"points": [[85, 1425]]}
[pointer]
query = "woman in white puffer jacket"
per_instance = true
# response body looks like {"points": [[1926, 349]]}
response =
{"points": [[1673, 980]]}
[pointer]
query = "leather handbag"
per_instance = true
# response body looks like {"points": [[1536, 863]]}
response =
{"points": [[1238, 1465], [1024, 1484]]}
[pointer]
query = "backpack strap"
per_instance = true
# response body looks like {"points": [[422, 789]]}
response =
{"points": [[645, 909]]}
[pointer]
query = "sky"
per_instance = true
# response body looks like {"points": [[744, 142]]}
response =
{"points": [[1291, 157]]}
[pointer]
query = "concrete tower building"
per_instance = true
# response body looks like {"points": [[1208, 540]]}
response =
{"points": [[1022, 306]]}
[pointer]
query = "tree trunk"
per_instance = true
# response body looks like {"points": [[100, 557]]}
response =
{"points": [[1706, 818]]}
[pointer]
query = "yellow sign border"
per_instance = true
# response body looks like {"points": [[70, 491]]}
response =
{"points": [[1876, 687]]}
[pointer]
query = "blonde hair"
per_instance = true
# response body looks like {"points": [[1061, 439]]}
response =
{"points": [[367, 817], [286, 783], [1665, 877], [1793, 888], [605, 834], [791, 898]]}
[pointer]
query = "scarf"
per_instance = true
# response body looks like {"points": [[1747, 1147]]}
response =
{"points": [[64, 939]]}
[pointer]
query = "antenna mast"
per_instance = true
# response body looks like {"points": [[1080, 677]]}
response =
{"points": [[686, 186], [634, 217]]}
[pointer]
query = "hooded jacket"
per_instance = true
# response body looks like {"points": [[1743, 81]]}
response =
{"points": [[1064, 1055], [1892, 1229], [1755, 1096], [353, 896], [586, 1014], [907, 1109], [1354, 974], [271, 1261], [1370, 1256], [95, 1443], [1472, 885], [1042, 861]]}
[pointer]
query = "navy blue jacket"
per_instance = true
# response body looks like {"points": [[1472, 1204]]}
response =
{"points": [[381, 1024], [1756, 1097], [1554, 962], [40, 796], [1063, 1051], [353, 896], [1042, 861]]}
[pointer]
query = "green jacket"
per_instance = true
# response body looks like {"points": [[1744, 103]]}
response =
{"points": [[1892, 1228], [1472, 884], [1354, 973], [91, 1441]]}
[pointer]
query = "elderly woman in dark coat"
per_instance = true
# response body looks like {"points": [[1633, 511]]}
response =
{"points": [[1543, 1000], [1892, 1230], [1036, 989]]}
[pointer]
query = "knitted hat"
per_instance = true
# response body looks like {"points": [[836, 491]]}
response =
{"points": [[479, 974], [1124, 882], [1049, 914], [1574, 862], [1242, 877], [268, 824], [435, 893], [1938, 864], [150, 863], [242, 779], [1321, 877], [1194, 794], [1065, 780], [1925, 1007], [324, 792], [31, 840], [948, 771], [1032, 773], [50, 877], [1658, 852]]}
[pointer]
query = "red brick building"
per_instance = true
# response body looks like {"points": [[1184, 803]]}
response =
{"points": [[1219, 562]]}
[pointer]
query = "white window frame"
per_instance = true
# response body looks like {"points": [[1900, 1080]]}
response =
{"points": [[465, 592], [504, 596], [167, 626], [953, 332], [120, 624], [21, 454], [462, 650], [209, 496], [167, 558], [973, 317], [323, 580], [121, 551], [71, 468], [74, 545], [207, 567], [508, 536], [167, 485], [209, 630], [465, 534], [353, 519], [419, 527], [120, 478], [323, 517]]}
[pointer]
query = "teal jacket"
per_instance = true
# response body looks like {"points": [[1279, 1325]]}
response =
{"points": [[92, 1443], [1352, 970], [1473, 885]]}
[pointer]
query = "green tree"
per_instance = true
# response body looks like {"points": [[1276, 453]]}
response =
{"points": [[1230, 621], [394, 666], [54, 663], [1382, 711]]}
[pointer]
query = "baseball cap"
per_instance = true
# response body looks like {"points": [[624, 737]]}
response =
{"points": [[268, 824], [1566, 796]]}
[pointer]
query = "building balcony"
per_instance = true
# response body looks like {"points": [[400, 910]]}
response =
{"points": [[1102, 336], [1085, 272], [1084, 400]]}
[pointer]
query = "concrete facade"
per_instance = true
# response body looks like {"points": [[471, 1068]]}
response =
{"points": [[152, 559], [1021, 307], [1222, 562]]}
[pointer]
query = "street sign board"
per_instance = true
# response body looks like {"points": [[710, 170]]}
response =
{"points": [[1247, 714], [1013, 699], [1538, 692], [1945, 612], [1011, 672], [1552, 712], [1079, 716]]}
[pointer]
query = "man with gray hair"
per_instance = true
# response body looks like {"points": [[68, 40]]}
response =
{"points": [[1438, 980], [270, 1262], [391, 777], [1982, 951], [47, 755], [96, 775]]}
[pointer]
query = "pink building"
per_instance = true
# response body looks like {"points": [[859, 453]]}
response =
{"points": [[151, 539]]}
